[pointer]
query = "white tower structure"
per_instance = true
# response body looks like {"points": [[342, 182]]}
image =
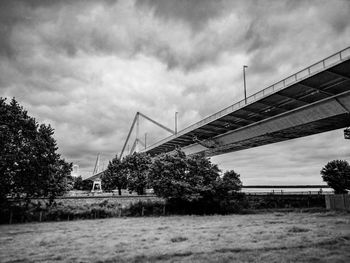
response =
{"points": [[75, 171], [96, 186]]}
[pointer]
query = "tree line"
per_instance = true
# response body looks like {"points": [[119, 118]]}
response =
{"points": [[177, 176], [171, 175]]}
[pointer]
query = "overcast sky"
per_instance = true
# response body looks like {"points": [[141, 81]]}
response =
{"points": [[86, 67]]}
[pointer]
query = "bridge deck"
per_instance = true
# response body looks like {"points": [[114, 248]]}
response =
{"points": [[326, 79]]}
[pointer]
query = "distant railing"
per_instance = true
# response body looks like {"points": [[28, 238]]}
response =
{"points": [[288, 193], [284, 83]]}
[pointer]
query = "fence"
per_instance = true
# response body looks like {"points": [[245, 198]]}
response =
{"points": [[338, 202], [267, 201]]}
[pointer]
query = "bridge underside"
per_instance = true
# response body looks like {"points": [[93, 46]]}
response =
{"points": [[306, 103], [322, 117]]}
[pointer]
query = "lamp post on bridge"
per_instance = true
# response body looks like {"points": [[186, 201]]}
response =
{"points": [[145, 140], [245, 88], [176, 113]]}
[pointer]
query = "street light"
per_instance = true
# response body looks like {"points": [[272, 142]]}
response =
{"points": [[145, 140], [245, 88], [176, 113]]}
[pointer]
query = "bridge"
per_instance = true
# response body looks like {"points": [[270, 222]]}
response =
{"points": [[313, 100]]}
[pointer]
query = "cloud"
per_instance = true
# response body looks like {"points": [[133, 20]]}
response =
{"points": [[86, 67], [196, 13]]}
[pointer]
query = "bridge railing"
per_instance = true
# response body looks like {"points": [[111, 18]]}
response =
{"points": [[284, 83]]}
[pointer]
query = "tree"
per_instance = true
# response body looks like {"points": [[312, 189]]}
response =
{"points": [[168, 176], [115, 176], [192, 184], [337, 175], [228, 185], [177, 177], [203, 175], [136, 166], [80, 184], [227, 197], [232, 181], [29, 164]]}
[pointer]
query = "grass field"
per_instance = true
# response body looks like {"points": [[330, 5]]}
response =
{"points": [[269, 237]]}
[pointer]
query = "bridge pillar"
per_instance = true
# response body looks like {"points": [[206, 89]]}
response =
{"points": [[97, 186]]}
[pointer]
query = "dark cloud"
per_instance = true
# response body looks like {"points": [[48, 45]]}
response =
{"points": [[10, 15], [336, 14], [196, 13], [13, 4], [258, 36], [258, 29]]}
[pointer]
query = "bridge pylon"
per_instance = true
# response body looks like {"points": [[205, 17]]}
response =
{"points": [[137, 142]]}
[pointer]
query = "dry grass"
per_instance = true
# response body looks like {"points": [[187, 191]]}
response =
{"points": [[279, 237]]}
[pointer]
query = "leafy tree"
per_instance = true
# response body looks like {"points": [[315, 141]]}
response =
{"points": [[193, 184], [227, 185], [168, 176], [203, 175], [337, 175], [136, 167], [227, 197], [177, 177], [80, 184], [115, 176], [232, 181], [29, 164]]}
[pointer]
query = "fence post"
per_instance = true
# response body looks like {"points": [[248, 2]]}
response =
{"points": [[10, 221], [328, 202]]}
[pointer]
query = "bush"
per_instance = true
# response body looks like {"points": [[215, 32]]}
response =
{"points": [[234, 203], [145, 208], [80, 184], [285, 201]]}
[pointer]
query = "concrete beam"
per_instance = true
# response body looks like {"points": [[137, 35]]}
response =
{"points": [[327, 114]]}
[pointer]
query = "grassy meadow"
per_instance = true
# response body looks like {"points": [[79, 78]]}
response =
{"points": [[265, 237]]}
